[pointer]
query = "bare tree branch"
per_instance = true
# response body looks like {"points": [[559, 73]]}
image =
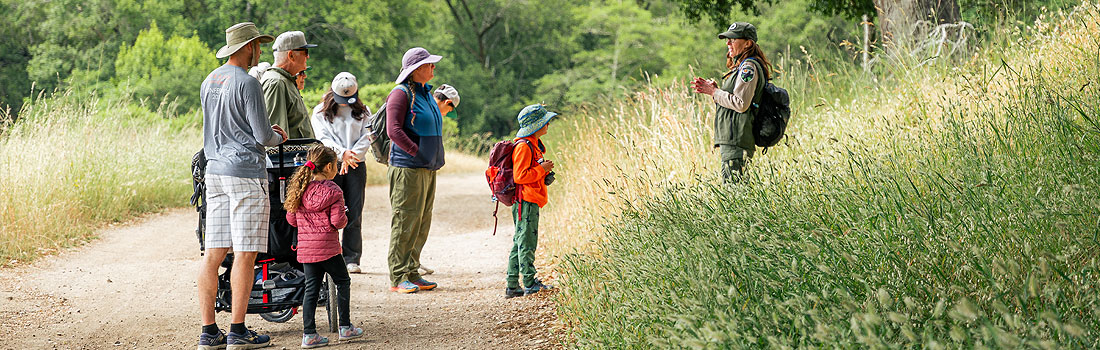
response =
{"points": [[467, 7], [454, 12]]}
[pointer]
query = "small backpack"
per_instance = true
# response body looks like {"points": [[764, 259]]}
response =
{"points": [[773, 111], [499, 175], [376, 129]]}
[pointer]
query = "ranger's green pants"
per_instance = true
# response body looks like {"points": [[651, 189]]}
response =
{"points": [[412, 195], [522, 258], [733, 162]]}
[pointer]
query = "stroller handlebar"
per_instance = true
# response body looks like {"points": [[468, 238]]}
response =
{"points": [[293, 145]]}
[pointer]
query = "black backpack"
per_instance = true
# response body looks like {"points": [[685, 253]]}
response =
{"points": [[376, 129], [198, 197], [773, 111]]}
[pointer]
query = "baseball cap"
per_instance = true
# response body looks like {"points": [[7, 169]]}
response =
{"points": [[450, 92], [345, 88], [739, 30], [291, 40]]}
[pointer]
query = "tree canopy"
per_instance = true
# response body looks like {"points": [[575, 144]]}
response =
{"points": [[500, 54]]}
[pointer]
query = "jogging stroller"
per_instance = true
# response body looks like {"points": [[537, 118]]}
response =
{"points": [[280, 281]]}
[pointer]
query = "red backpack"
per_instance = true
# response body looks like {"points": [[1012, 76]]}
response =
{"points": [[499, 175]]}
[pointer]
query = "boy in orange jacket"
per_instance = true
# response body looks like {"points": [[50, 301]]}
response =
{"points": [[532, 175]]}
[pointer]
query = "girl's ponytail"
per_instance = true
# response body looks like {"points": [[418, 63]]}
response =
{"points": [[318, 158]]}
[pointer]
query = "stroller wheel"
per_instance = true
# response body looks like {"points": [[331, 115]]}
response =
{"points": [[333, 317], [278, 316]]}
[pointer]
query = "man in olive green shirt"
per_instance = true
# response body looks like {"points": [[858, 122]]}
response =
{"points": [[284, 103]]}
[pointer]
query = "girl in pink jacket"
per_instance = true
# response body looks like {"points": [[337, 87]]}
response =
{"points": [[315, 205]]}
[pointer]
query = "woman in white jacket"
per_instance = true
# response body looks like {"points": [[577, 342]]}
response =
{"points": [[340, 122]]}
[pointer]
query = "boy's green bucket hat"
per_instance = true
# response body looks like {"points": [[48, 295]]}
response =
{"points": [[532, 118], [239, 35]]}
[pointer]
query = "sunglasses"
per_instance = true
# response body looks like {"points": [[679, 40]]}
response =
{"points": [[303, 72], [305, 51]]}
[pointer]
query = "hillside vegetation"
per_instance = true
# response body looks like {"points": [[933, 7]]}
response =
{"points": [[948, 204]]}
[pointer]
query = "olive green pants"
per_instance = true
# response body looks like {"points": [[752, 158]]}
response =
{"points": [[412, 196], [733, 162], [522, 258]]}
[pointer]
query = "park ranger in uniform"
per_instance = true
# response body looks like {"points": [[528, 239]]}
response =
{"points": [[741, 89], [284, 103]]}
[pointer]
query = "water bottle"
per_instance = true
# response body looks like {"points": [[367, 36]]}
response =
{"points": [[299, 160], [282, 189]]}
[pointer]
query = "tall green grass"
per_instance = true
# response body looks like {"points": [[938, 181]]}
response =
{"points": [[952, 206], [71, 164]]}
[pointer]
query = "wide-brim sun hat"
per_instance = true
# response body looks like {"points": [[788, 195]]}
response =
{"points": [[413, 59], [345, 88], [532, 118], [238, 36]]}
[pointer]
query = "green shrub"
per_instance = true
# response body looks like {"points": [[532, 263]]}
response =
{"points": [[165, 70]]}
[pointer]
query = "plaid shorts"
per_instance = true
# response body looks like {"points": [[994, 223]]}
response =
{"points": [[237, 213]]}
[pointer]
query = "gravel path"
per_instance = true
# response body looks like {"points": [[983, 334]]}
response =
{"points": [[134, 287]]}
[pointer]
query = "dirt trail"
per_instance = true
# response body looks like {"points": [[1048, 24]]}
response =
{"points": [[135, 287]]}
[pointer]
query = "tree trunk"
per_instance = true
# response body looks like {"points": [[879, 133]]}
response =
{"points": [[902, 20]]}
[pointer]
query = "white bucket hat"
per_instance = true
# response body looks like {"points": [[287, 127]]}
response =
{"points": [[413, 59]]}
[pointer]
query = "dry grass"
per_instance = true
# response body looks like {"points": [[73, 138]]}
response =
{"points": [[951, 206], [71, 166]]}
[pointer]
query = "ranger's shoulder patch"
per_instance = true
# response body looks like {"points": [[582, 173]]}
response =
{"points": [[747, 72]]}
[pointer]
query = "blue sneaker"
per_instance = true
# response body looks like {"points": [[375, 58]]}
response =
{"points": [[248, 340], [424, 284], [405, 287], [350, 332], [536, 287], [310, 341], [212, 342]]}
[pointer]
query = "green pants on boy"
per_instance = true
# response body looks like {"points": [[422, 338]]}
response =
{"points": [[522, 259], [531, 173]]}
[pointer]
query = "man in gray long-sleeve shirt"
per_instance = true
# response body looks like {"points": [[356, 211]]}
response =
{"points": [[235, 131]]}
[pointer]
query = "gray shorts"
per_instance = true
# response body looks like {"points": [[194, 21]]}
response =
{"points": [[237, 213]]}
